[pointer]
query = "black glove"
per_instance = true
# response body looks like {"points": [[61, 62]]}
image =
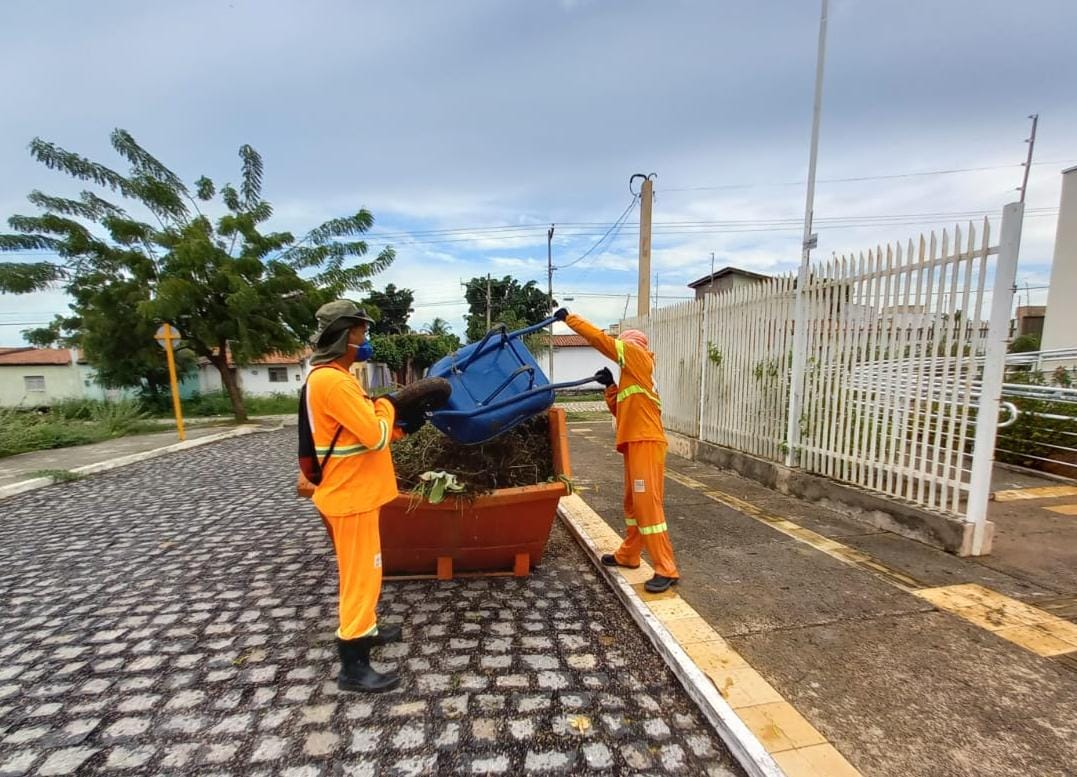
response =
{"points": [[412, 421], [605, 377], [561, 314]]}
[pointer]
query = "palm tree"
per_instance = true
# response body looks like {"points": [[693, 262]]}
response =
{"points": [[439, 326]]}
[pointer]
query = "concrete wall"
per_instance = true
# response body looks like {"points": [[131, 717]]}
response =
{"points": [[61, 382]]}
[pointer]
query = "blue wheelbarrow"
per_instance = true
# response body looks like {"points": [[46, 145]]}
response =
{"points": [[496, 384]]}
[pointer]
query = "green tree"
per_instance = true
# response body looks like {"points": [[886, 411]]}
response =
{"points": [[1025, 344], [225, 283], [417, 351], [511, 303], [439, 326], [390, 309]]}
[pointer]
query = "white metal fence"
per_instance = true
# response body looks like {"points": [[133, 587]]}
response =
{"points": [[904, 347]]}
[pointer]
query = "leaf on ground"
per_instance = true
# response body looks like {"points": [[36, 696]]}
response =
{"points": [[581, 723]]}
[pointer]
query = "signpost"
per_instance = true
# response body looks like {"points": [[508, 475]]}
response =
{"points": [[165, 336]]}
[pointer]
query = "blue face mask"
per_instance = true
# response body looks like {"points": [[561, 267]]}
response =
{"points": [[364, 351]]}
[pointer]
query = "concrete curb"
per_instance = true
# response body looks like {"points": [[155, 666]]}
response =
{"points": [[945, 532], [103, 466], [740, 740]]}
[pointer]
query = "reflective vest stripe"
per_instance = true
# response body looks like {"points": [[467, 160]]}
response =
{"points": [[637, 389], [658, 528], [630, 521], [343, 451], [620, 352]]}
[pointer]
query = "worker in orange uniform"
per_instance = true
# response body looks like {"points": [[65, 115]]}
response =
{"points": [[634, 401], [357, 479]]}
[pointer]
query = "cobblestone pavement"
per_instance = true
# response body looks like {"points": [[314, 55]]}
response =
{"points": [[176, 617]]}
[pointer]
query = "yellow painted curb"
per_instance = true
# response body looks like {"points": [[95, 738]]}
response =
{"points": [[764, 731]]}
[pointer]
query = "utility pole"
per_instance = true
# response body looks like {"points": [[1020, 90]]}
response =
{"points": [[549, 290], [712, 273], [487, 302], [646, 198], [800, 324], [1031, 140]]}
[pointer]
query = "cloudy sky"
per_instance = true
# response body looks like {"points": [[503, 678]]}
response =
{"points": [[469, 126]]}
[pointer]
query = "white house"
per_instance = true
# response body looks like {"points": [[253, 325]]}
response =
{"points": [[574, 358], [39, 377], [273, 374]]}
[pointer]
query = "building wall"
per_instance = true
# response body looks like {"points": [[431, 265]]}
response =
{"points": [[1060, 323], [579, 362], [725, 283], [91, 389], [61, 382], [209, 380], [254, 379]]}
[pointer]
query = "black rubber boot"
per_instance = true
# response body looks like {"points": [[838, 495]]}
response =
{"points": [[387, 634], [610, 560], [356, 674], [658, 584]]}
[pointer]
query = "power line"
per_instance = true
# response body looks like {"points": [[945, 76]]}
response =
{"points": [[620, 220], [855, 179]]}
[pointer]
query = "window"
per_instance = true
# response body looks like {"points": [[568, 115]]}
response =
{"points": [[278, 374], [34, 382]]}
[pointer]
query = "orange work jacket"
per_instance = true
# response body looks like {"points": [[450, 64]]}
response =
{"points": [[634, 400], [358, 476]]}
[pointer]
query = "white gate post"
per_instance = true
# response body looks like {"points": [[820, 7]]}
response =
{"points": [[983, 451], [704, 353]]}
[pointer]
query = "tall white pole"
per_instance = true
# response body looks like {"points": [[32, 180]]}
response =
{"points": [[646, 201], [800, 333], [998, 337]]}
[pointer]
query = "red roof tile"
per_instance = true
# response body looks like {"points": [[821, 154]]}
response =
{"points": [[570, 341], [33, 356]]}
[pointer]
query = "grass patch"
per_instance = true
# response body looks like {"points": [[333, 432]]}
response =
{"points": [[57, 475], [580, 396], [573, 416], [68, 424], [218, 404]]}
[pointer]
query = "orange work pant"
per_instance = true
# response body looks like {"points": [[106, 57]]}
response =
{"points": [[645, 517], [357, 543]]}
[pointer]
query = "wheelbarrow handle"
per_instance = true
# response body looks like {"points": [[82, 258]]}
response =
{"points": [[500, 329], [527, 330]]}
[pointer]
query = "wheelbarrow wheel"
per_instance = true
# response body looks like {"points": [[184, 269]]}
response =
{"points": [[423, 395]]}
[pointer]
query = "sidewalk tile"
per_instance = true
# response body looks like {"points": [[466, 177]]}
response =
{"points": [[1064, 509], [672, 609], [780, 727], [715, 655], [636, 577], [688, 631], [647, 596], [1047, 492], [815, 761], [1036, 639], [1061, 629], [743, 687]]}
